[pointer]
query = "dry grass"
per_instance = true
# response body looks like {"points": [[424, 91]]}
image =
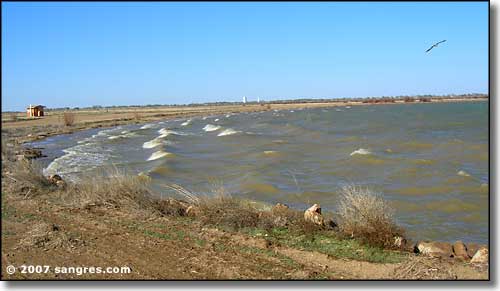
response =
{"points": [[113, 188], [28, 178], [367, 216], [68, 118], [136, 115], [423, 268], [217, 207]]}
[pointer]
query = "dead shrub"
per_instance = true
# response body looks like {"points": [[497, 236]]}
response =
{"points": [[68, 118], [368, 217]]}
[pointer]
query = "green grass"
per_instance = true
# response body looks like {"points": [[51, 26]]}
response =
{"points": [[327, 243]]}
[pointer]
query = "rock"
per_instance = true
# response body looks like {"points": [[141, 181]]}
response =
{"points": [[460, 251], [313, 215], [481, 256], [192, 211], [29, 153], [400, 242], [435, 249], [472, 248]]}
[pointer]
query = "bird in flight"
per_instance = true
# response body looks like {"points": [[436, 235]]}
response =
{"points": [[434, 45]]}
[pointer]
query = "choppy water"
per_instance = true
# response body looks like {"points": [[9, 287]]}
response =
{"points": [[429, 160]]}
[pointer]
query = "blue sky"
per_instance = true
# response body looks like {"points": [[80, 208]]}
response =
{"points": [[84, 54]]}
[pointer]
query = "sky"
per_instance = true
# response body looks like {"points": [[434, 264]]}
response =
{"points": [[79, 54]]}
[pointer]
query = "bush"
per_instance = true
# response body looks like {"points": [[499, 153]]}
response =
{"points": [[368, 217], [68, 118]]}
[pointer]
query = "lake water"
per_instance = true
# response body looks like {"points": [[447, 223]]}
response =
{"points": [[429, 160]]}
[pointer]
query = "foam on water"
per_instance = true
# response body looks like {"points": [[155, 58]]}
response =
{"points": [[158, 155], [147, 126], [166, 132], [186, 123], [463, 173], [152, 143], [77, 158], [211, 127], [361, 152], [228, 131]]}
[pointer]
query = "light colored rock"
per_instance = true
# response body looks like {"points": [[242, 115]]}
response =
{"points": [[481, 256], [192, 211], [313, 215], [400, 242], [460, 251], [435, 249], [472, 248]]}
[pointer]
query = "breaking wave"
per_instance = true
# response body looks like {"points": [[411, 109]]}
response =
{"points": [[211, 127]]}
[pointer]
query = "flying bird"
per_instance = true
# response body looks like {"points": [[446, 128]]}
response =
{"points": [[435, 45]]}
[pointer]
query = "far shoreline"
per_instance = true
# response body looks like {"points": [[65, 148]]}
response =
{"points": [[51, 124]]}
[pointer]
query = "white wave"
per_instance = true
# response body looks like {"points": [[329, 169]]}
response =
{"points": [[217, 119], [186, 123], [228, 131], [166, 132], [103, 132], [83, 156], [463, 173], [270, 152], [348, 107], [361, 152], [116, 136], [158, 155], [124, 134], [292, 111], [152, 143], [149, 125], [211, 127]]}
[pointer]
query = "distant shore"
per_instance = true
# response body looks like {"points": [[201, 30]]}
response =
{"points": [[31, 129]]}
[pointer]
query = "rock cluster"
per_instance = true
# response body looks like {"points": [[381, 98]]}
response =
{"points": [[29, 154], [473, 253]]}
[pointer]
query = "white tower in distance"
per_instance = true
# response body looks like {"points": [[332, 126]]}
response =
{"points": [[244, 99], [258, 99]]}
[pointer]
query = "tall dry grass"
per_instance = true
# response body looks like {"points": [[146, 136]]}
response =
{"points": [[111, 188], [28, 178], [217, 207], [365, 215]]}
